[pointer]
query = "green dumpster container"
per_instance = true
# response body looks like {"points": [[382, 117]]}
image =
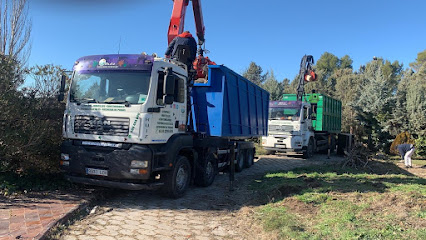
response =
{"points": [[328, 111]]}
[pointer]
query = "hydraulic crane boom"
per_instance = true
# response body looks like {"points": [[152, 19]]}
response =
{"points": [[177, 20], [306, 74], [176, 27]]}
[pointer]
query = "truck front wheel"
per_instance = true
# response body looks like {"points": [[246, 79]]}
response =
{"points": [[177, 180], [309, 152]]}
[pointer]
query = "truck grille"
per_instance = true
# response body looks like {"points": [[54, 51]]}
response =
{"points": [[113, 126], [280, 128]]}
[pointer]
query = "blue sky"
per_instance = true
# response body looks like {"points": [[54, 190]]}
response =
{"points": [[273, 33]]}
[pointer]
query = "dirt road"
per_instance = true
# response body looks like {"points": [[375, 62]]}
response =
{"points": [[203, 213]]}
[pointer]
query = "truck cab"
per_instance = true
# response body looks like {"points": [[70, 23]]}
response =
{"points": [[289, 127]]}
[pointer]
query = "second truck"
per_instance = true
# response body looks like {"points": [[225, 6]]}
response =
{"points": [[305, 123]]}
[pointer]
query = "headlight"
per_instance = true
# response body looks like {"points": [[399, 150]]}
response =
{"points": [[65, 157], [139, 164]]}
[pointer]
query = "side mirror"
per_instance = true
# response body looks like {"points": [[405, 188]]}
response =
{"points": [[61, 95]]}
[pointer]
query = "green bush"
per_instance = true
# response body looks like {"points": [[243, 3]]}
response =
{"points": [[421, 146], [31, 120]]}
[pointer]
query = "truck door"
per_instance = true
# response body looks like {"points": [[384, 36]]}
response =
{"points": [[306, 122], [169, 119]]}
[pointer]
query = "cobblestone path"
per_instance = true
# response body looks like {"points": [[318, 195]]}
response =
{"points": [[203, 213]]}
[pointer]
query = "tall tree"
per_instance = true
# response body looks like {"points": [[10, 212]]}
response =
{"points": [[255, 74], [347, 87], [273, 87], [400, 120], [416, 102], [345, 62], [285, 85], [15, 30], [46, 78], [375, 102], [421, 58]]}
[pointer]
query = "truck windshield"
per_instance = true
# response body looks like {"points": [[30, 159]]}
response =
{"points": [[110, 87], [277, 113]]}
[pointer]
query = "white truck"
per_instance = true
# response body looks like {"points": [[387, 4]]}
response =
{"points": [[135, 121]]}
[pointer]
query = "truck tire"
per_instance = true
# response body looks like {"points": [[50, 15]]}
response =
{"points": [[309, 152], [249, 158], [333, 145], [239, 166], [206, 171], [177, 180]]}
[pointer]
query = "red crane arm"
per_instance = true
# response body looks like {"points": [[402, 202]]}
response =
{"points": [[177, 21], [199, 22]]}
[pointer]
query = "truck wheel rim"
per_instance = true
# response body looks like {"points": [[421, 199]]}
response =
{"points": [[181, 178]]}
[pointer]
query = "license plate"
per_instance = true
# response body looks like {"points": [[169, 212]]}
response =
{"points": [[98, 172]]}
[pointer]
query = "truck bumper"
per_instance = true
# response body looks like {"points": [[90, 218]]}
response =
{"points": [[286, 150], [114, 164], [283, 144], [112, 184]]}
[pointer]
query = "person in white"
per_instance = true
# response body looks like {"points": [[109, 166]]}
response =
{"points": [[407, 157], [406, 150]]}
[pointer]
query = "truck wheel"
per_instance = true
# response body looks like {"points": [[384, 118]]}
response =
{"points": [[333, 145], [177, 180], [207, 171], [240, 161], [249, 158], [309, 152]]}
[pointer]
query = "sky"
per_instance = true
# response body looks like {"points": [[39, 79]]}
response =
{"points": [[274, 34]]}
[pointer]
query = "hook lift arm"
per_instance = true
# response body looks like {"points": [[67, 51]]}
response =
{"points": [[306, 74]]}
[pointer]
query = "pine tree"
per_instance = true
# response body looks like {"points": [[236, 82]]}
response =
{"points": [[254, 74], [273, 87]]}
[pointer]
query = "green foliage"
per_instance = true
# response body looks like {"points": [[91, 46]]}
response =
{"points": [[285, 85], [416, 102], [328, 63], [420, 60], [376, 102], [347, 87], [421, 146], [31, 122], [11, 183], [273, 87], [255, 74], [345, 62]]}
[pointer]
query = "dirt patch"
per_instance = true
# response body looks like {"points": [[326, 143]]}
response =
{"points": [[249, 225], [294, 205], [417, 170]]}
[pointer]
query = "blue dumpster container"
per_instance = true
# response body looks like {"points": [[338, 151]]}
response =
{"points": [[229, 105]]}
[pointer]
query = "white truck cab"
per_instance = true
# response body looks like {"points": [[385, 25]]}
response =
{"points": [[289, 128]]}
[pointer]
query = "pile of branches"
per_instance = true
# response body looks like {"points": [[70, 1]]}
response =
{"points": [[358, 157]]}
